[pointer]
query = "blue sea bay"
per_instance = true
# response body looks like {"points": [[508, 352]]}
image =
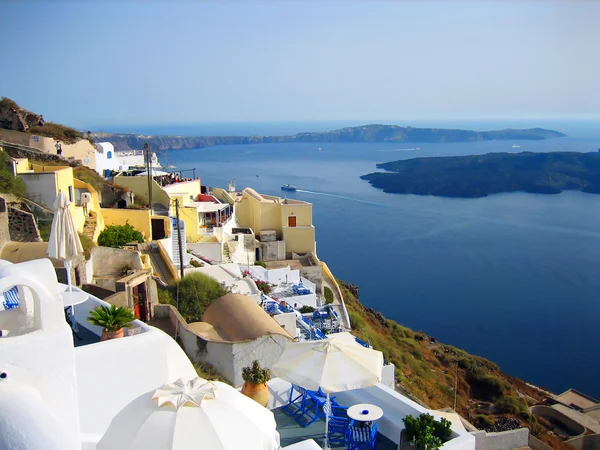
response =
{"points": [[511, 277]]}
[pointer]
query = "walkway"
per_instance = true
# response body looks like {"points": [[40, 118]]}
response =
{"points": [[159, 265]]}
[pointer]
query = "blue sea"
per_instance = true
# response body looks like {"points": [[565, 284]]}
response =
{"points": [[511, 277]]}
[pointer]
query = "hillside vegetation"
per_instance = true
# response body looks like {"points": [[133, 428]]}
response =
{"points": [[427, 371], [482, 175]]}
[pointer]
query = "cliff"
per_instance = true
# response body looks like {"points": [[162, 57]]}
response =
{"points": [[13, 117], [366, 133], [481, 175], [428, 371]]}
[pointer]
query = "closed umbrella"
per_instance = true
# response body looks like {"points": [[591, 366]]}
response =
{"points": [[188, 415], [64, 242], [336, 364]]}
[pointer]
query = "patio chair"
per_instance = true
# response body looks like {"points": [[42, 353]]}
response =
{"points": [[338, 425], [11, 298], [296, 401], [361, 435], [313, 406]]}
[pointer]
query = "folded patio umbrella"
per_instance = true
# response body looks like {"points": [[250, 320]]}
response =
{"points": [[194, 414], [64, 242], [334, 365]]}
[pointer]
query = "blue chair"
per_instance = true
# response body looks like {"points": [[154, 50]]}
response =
{"points": [[312, 406], [361, 435], [296, 401], [338, 424], [11, 298]]}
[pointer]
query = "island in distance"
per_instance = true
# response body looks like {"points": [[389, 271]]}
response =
{"points": [[481, 175], [365, 133]]}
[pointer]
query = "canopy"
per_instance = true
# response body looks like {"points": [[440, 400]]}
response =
{"points": [[335, 364], [155, 173], [63, 242], [187, 415]]}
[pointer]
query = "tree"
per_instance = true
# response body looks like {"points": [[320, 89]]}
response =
{"points": [[117, 236], [9, 183], [196, 292], [426, 433]]}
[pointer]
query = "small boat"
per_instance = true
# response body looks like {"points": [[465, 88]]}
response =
{"points": [[288, 187], [319, 149], [516, 146]]}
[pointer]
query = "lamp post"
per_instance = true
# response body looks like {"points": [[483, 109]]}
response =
{"points": [[147, 154]]}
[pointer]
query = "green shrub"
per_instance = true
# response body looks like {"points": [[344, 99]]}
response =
{"points": [[44, 227], [486, 387], [356, 321], [87, 245], [195, 263], [484, 422], [9, 183], [164, 296], [426, 433], [264, 286], [116, 236], [57, 131], [512, 405], [328, 295], [255, 374], [260, 263], [196, 292], [111, 319], [209, 373], [306, 309]]}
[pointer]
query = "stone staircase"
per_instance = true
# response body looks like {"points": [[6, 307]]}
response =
{"points": [[89, 227]]}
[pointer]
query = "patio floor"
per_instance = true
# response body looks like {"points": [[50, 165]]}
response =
{"points": [[291, 432], [87, 337]]}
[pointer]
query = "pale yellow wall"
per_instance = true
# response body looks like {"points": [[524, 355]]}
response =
{"points": [[303, 213], [190, 217], [299, 240], [21, 165], [244, 212], [188, 191], [137, 218], [223, 196], [270, 216], [93, 208], [139, 186]]}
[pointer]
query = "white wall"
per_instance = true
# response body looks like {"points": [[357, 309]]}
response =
{"points": [[211, 250], [106, 158]]}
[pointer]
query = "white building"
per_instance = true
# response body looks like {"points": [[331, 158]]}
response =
{"points": [[109, 159]]}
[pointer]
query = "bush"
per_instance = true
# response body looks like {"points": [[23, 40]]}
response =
{"points": [[306, 309], [195, 263], [196, 292], [356, 321], [87, 245], [9, 183], [57, 131], [165, 297], [260, 263], [209, 373], [512, 405], [484, 422], [426, 433], [263, 286], [116, 236], [255, 374], [328, 295], [486, 387]]}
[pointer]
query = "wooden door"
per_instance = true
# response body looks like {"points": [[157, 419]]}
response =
{"points": [[291, 221]]}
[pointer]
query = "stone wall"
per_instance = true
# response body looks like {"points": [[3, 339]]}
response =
{"points": [[22, 226], [4, 230]]}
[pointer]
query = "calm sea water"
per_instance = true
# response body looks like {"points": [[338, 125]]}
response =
{"points": [[512, 277]]}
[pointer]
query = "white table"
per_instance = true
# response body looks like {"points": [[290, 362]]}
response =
{"points": [[357, 412], [72, 298]]}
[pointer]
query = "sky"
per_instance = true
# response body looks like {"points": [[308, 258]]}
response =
{"points": [[93, 64]]}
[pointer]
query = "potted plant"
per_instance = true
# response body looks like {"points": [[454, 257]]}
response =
{"points": [[255, 383], [426, 433], [112, 320]]}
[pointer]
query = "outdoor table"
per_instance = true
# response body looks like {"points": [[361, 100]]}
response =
{"points": [[70, 299], [364, 412]]}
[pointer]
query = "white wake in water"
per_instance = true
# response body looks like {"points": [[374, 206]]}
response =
{"points": [[339, 196]]}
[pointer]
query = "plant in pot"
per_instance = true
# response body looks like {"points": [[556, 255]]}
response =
{"points": [[426, 433], [112, 320], [255, 383]]}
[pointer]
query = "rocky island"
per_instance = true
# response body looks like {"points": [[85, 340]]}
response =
{"points": [[481, 175], [366, 133]]}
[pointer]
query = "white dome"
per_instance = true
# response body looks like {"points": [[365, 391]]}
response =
{"points": [[26, 423]]}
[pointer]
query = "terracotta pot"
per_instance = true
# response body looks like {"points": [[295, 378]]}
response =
{"points": [[257, 392], [106, 335]]}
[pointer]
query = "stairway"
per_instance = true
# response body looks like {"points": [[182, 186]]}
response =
{"points": [[89, 227]]}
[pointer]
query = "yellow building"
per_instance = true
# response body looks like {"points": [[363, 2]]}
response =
{"points": [[43, 184], [276, 219]]}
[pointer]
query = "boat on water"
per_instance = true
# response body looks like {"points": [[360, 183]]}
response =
{"points": [[516, 146], [288, 187], [319, 149]]}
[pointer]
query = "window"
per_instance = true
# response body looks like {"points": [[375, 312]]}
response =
{"points": [[71, 193], [291, 221]]}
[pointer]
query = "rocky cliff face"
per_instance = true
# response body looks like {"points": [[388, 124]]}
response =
{"points": [[13, 117]]}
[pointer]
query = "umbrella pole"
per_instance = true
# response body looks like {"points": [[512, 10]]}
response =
{"points": [[326, 442], [68, 267]]}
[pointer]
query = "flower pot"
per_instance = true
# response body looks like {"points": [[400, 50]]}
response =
{"points": [[106, 335], [257, 392]]}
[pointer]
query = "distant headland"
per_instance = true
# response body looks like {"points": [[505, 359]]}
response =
{"points": [[366, 133], [481, 175]]}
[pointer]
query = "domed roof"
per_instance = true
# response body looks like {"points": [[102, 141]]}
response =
{"points": [[26, 423]]}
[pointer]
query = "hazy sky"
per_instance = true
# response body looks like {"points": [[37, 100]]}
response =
{"points": [[89, 64]]}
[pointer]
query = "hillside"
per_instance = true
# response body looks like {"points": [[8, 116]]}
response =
{"points": [[482, 175], [366, 133], [427, 370]]}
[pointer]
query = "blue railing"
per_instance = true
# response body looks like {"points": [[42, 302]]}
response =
{"points": [[363, 343]]}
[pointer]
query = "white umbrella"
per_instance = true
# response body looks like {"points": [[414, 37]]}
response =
{"points": [[335, 364], [194, 414], [64, 242]]}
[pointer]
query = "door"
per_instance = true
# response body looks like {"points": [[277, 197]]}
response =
{"points": [[136, 301], [291, 221], [158, 229]]}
